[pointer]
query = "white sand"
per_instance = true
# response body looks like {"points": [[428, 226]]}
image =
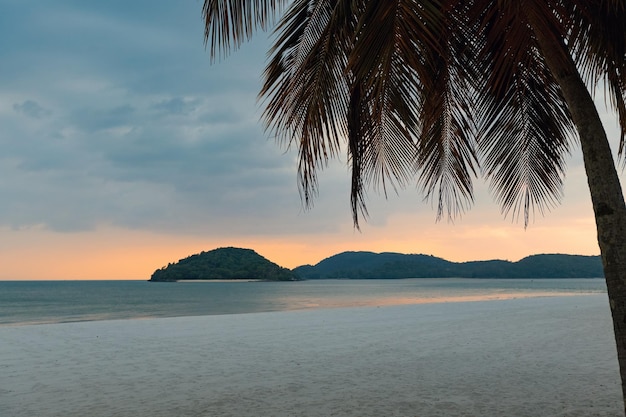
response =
{"points": [[525, 357]]}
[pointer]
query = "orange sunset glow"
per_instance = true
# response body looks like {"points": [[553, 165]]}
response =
{"points": [[111, 253]]}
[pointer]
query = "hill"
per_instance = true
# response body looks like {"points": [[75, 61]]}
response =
{"points": [[224, 263], [390, 265]]}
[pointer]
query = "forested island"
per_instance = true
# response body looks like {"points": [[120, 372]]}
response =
{"points": [[245, 264], [224, 264], [390, 265]]}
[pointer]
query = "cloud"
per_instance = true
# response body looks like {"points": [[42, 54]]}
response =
{"points": [[95, 119], [32, 109], [176, 105], [113, 115]]}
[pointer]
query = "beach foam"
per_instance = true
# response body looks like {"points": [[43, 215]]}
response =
{"points": [[525, 357]]}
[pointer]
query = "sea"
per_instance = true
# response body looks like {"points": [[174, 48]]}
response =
{"points": [[45, 302]]}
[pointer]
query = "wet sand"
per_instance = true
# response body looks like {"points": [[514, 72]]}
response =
{"points": [[522, 357]]}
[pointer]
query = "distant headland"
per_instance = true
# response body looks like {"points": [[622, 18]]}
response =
{"points": [[224, 264], [231, 263], [391, 265]]}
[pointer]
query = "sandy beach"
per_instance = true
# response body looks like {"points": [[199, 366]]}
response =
{"points": [[522, 357]]}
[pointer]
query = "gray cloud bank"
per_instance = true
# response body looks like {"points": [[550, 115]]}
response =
{"points": [[113, 115]]}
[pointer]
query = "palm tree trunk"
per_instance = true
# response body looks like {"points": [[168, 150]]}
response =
{"points": [[603, 181]]}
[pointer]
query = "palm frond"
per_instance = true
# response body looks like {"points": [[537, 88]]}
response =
{"points": [[380, 65], [428, 88], [391, 63], [306, 87], [358, 120], [597, 40], [524, 139], [447, 156], [228, 23]]}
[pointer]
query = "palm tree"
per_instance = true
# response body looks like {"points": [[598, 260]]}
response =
{"points": [[442, 91]]}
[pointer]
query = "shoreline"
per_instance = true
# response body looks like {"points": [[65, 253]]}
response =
{"points": [[214, 280], [522, 357], [312, 306]]}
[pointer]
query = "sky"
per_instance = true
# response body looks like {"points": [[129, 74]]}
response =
{"points": [[123, 149]]}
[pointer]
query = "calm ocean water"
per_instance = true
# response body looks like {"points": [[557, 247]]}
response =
{"points": [[38, 302]]}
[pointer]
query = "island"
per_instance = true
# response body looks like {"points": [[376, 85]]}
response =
{"points": [[223, 264], [391, 265], [239, 264]]}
